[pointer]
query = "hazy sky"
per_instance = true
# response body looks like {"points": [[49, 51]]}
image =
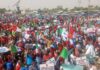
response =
{"points": [[36, 4]]}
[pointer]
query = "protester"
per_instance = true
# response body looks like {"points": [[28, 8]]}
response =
{"points": [[34, 41], [93, 67], [18, 65], [33, 66], [1, 63]]}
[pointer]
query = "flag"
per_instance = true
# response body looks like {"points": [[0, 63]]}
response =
{"points": [[37, 46], [55, 28], [13, 27], [13, 33], [91, 24], [22, 27], [37, 33], [60, 30], [64, 53], [71, 32], [52, 60], [13, 49], [32, 24]]}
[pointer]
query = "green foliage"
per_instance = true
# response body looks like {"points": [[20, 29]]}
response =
{"points": [[89, 8], [2, 10]]}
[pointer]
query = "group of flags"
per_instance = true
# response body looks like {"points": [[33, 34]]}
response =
{"points": [[12, 28]]}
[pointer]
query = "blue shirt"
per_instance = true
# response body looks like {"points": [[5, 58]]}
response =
{"points": [[9, 65], [29, 60], [24, 68]]}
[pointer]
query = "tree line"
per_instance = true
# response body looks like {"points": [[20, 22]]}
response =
{"points": [[60, 8]]}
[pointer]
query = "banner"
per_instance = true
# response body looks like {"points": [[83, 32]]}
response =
{"points": [[47, 66]]}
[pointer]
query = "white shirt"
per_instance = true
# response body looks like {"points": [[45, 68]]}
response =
{"points": [[93, 68], [90, 50]]}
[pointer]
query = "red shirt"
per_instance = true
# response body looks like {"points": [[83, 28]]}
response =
{"points": [[18, 66], [51, 55], [45, 57], [1, 64]]}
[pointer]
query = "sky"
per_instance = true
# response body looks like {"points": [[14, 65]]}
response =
{"points": [[40, 4]]}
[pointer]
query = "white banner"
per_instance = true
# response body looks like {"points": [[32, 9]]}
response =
{"points": [[47, 66]]}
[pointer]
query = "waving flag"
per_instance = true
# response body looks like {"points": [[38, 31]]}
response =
{"points": [[64, 53], [13, 49], [60, 30], [71, 32]]}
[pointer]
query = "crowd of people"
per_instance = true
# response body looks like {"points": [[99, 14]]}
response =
{"points": [[33, 41]]}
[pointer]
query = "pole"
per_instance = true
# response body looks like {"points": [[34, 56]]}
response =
{"points": [[57, 60]]}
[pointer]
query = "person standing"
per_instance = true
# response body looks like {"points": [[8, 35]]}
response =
{"points": [[90, 50], [18, 65], [33, 66], [1, 63], [93, 67]]}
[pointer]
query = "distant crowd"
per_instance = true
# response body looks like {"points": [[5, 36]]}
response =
{"points": [[34, 41]]}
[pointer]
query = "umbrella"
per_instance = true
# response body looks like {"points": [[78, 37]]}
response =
{"points": [[3, 49]]}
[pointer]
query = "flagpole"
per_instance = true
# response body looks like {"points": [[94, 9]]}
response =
{"points": [[57, 60]]}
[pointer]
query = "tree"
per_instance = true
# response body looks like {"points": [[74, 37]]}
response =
{"points": [[97, 7], [76, 9], [59, 8], [65, 10], [2, 10]]}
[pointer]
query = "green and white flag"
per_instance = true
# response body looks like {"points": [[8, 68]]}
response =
{"points": [[13, 49], [64, 53], [60, 30]]}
